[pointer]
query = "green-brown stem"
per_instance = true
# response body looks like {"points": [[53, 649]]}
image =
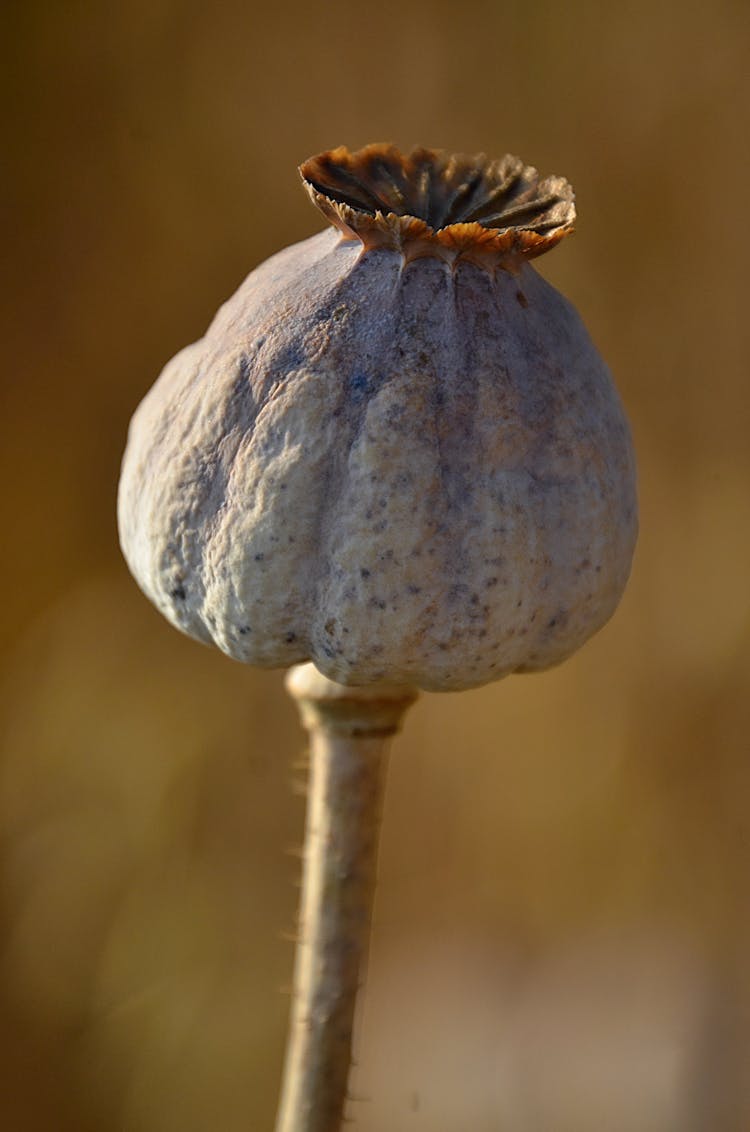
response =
{"points": [[349, 733]]}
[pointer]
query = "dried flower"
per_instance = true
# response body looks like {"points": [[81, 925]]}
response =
{"points": [[396, 451]]}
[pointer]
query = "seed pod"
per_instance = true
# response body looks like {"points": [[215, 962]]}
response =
{"points": [[396, 451]]}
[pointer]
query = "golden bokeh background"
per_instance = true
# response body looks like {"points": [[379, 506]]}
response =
{"points": [[562, 937]]}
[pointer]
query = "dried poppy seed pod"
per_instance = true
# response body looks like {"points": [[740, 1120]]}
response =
{"points": [[396, 451]]}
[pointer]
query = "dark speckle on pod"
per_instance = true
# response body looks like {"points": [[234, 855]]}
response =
{"points": [[396, 451]]}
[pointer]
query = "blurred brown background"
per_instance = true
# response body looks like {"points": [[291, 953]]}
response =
{"points": [[563, 928]]}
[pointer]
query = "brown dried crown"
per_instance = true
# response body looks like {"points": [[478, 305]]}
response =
{"points": [[429, 202]]}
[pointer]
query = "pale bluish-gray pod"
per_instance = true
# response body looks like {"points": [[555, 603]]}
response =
{"points": [[396, 451]]}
